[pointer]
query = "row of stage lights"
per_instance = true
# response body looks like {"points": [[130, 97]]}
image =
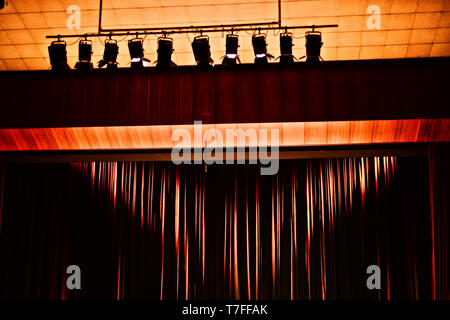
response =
{"points": [[200, 47]]}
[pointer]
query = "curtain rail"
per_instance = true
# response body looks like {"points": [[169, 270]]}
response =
{"points": [[418, 150]]}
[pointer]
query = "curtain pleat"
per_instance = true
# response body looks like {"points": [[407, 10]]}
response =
{"points": [[439, 175], [329, 92], [153, 230]]}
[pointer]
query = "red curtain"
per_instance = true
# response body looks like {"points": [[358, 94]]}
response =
{"points": [[142, 230], [439, 175], [248, 93], [2, 187]]}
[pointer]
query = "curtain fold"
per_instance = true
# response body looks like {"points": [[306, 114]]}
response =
{"points": [[335, 91], [2, 187], [153, 230], [439, 176]]}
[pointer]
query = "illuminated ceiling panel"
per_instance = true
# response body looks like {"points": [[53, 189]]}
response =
{"points": [[406, 28]]}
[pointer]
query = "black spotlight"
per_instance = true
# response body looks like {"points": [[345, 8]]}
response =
{"points": [[313, 45], [84, 56], [136, 48], [232, 45], [110, 55], [202, 52], [165, 50], [58, 55], [260, 48], [286, 48]]}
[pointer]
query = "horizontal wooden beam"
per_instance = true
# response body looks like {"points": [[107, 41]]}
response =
{"points": [[293, 134]]}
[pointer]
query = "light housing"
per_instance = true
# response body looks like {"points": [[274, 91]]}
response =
{"points": [[58, 55], [286, 45], [202, 51], [231, 49], [136, 48], [165, 50], [110, 54], [84, 55], [313, 45], [260, 48]]}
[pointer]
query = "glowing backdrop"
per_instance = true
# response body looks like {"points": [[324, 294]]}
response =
{"points": [[378, 29]]}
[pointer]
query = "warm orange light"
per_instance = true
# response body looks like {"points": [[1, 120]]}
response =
{"points": [[293, 134]]}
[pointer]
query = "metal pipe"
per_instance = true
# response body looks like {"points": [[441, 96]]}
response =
{"points": [[255, 24], [100, 17], [279, 13], [161, 31]]}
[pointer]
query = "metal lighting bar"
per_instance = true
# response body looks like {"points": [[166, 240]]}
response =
{"points": [[197, 30], [183, 29]]}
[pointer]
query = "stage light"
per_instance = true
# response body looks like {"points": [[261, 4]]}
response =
{"points": [[136, 48], [313, 45], [286, 48], [110, 55], [165, 49], [58, 55], [84, 56], [232, 44], [260, 48], [202, 52]]}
